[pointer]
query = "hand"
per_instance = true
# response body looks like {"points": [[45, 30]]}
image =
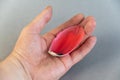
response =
{"points": [[30, 59]]}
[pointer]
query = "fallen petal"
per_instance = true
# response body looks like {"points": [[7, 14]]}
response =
{"points": [[67, 41]]}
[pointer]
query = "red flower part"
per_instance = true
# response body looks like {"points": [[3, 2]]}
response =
{"points": [[67, 41]]}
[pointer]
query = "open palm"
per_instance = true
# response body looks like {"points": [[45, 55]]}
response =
{"points": [[31, 49]]}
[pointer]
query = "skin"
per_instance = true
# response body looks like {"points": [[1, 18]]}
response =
{"points": [[30, 60]]}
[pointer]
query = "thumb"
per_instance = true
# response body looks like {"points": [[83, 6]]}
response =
{"points": [[40, 21]]}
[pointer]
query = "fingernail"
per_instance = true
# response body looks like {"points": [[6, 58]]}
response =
{"points": [[49, 8]]}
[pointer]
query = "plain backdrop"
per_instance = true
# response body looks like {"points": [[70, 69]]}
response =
{"points": [[103, 62]]}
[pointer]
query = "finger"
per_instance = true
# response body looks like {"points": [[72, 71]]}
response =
{"points": [[40, 21], [82, 51], [86, 20], [90, 26], [73, 21]]}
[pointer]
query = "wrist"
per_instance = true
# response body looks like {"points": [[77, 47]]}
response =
{"points": [[11, 69]]}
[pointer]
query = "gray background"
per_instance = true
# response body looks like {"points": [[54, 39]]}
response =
{"points": [[103, 63]]}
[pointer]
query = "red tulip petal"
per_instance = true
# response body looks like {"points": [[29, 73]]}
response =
{"points": [[67, 41]]}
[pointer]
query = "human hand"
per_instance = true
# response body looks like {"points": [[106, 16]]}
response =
{"points": [[30, 60]]}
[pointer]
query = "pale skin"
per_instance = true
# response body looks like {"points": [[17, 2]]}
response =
{"points": [[30, 60]]}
